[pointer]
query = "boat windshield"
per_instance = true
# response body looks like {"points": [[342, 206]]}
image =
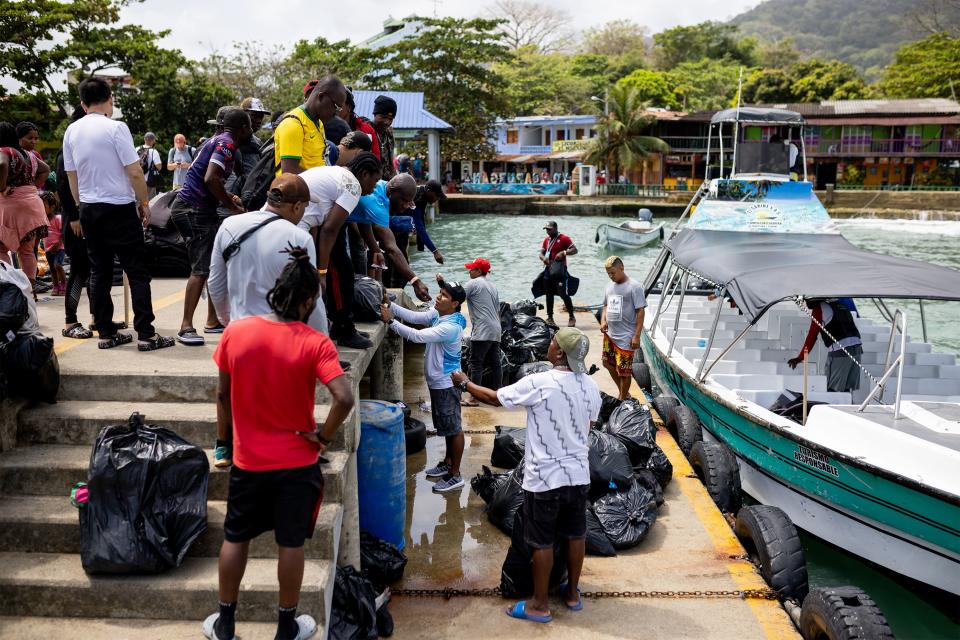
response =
{"points": [[761, 205], [772, 158]]}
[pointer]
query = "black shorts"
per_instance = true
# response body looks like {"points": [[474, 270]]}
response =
{"points": [[198, 228], [445, 411], [286, 501], [549, 515]]}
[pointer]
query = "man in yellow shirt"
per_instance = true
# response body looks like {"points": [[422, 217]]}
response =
{"points": [[299, 139]]}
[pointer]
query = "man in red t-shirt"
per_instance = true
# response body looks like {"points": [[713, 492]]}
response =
{"points": [[553, 254], [269, 367]]}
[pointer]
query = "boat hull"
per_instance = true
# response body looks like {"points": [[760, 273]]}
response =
{"points": [[869, 513], [620, 238]]}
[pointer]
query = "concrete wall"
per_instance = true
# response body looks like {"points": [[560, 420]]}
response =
{"points": [[906, 200]]}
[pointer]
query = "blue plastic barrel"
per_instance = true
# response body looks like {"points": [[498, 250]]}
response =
{"points": [[382, 471]]}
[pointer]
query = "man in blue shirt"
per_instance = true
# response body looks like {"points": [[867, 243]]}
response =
{"points": [[427, 194]]}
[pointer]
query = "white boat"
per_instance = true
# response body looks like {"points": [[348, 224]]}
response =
{"points": [[632, 234]]}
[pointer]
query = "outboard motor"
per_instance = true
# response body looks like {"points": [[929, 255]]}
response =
{"points": [[645, 215]]}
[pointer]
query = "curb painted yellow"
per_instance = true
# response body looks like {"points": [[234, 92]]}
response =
{"points": [[65, 344]]}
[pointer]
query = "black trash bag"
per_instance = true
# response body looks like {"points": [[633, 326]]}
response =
{"points": [[610, 467], [13, 310], [367, 298], [31, 368], [790, 405], [607, 404], [148, 499], [632, 424], [523, 320], [508, 447], [516, 575], [506, 317], [533, 334], [380, 561], [660, 466], [354, 612], [645, 478], [465, 354], [527, 307], [509, 367], [533, 367], [598, 544], [485, 484], [384, 622], [506, 501], [626, 516]]}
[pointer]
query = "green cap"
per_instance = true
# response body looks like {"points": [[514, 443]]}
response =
{"points": [[575, 345]]}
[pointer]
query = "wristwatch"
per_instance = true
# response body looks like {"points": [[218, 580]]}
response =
{"points": [[322, 440], [463, 385]]}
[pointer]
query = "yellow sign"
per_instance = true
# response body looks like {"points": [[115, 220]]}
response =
{"points": [[571, 145]]}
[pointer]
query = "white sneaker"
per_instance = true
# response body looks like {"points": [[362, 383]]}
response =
{"points": [[208, 630], [307, 627]]}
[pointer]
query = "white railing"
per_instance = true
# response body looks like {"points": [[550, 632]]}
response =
{"points": [[888, 367]]}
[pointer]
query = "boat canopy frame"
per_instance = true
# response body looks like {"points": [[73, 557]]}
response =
{"points": [[755, 116]]}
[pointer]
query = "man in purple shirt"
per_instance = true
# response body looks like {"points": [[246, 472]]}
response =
{"points": [[194, 212]]}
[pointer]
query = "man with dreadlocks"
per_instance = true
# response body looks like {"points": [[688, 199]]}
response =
{"points": [[269, 367]]}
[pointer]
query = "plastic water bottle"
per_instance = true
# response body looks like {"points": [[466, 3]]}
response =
{"points": [[701, 343]]}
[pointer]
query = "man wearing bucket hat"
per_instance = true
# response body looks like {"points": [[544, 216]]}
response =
{"points": [[561, 405], [384, 111]]}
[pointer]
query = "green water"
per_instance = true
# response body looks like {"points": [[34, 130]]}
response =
{"points": [[511, 244]]}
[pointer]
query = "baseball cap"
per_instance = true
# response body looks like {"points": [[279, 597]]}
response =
{"points": [[219, 119], [479, 263], [455, 290], [253, 104], [289, 187], [550, 225], [308, 88], [437, 188], [575, 345]]}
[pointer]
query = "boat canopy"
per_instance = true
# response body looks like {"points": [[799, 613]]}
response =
{"points": [[758, 115], [761, 269]]}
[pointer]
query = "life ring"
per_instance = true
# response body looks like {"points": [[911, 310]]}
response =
{"points": [[641, 375], [842, 612], [773, 542], [415, 433], [665, 405], [685, 427], [716, 466]]}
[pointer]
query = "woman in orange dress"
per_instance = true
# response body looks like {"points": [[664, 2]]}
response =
{"points": [[22, 217]]}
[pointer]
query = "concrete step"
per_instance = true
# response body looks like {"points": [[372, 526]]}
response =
{"points": [[50, 524], [42, 584], [52, 469], [35, 628], [79, 422]]}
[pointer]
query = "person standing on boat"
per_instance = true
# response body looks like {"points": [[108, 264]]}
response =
{"points": [[842, 340], [621, 323], [562, 405], [553, 254]]}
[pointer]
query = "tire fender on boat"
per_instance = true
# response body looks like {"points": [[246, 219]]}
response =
{"points": [[716, 466], [665, 405], [415, 433], [771, 540], [685, 427], [846, 613], [641, 375]]}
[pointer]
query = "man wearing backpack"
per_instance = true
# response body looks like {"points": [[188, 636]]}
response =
{"points": [[150, 163]]}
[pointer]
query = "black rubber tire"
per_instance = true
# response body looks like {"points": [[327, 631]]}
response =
{"points": [[773, 542], [716, 466], [665, 406], [686, 428], [641, 375], [845, 613], [415, 433], [404, 406]]}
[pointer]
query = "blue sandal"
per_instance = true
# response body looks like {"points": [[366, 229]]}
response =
{"points": [[563, 594], [519, 611]]}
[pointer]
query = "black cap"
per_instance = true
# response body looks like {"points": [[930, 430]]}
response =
{"points": [[385, 105], [437, 188], [455, 290], [550, 225]]}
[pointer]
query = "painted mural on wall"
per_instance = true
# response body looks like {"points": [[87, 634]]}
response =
{"points": [[515, 189]]}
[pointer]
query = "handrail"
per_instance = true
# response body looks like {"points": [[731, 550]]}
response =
{"points": [[684, 281], [721, 298], [888, 367]]}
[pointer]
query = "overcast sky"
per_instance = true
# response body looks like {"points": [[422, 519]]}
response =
{"points": [[202, 26]]}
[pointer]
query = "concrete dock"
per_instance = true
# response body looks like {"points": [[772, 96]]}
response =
{"points": [[44, 592]]}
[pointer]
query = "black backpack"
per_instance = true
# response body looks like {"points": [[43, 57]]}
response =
{"points": [[257, 182], [150, 172]]}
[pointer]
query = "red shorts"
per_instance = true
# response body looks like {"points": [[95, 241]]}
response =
{"points": [[622, 359]]}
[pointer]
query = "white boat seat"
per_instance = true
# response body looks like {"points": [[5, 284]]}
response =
{"points": [[759, 382]]}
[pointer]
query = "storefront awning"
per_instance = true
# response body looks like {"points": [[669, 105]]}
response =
{"points": [[565, 155], [884, 122]]}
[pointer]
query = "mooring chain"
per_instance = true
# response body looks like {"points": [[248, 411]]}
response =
{"points": [[801, 304], [738, 594]]}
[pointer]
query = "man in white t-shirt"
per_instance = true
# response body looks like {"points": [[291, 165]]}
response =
{"points": [[561, 405], [337, 191], [150, 162], [107, 183]]}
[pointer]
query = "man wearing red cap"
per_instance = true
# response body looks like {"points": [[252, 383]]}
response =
{"points": [[483, 302]]}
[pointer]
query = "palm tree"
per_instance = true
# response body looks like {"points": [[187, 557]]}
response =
{"points": [[620, 141]]}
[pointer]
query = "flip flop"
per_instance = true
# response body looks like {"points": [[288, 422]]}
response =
{"points": [[217, 329], [190, 337], [519, 611], [563, 594]]}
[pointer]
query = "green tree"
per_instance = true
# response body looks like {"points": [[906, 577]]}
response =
{"points": [[817, 80], [767, 86], [616, 38], [653, 87], [542, 84], [924, 69], [622, 141], [321, 57], [30, 107], [780, 54], [714, 40], [707, 83], [450, 61]]}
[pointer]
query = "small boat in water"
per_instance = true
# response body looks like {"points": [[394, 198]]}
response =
{"points": [[872, 470], [632, 234]]}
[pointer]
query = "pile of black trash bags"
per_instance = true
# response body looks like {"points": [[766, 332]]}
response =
{"points": [[28, 364], [628, 472], [524, 341], [360, 597]]}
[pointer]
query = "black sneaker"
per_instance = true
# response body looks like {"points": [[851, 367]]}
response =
{"points": [[356, 341]]}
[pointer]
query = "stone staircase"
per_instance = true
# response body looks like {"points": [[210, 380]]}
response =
{"points": [[40, 571]]}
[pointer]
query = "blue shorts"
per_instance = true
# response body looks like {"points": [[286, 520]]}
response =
{"points": [[56, 258]]}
